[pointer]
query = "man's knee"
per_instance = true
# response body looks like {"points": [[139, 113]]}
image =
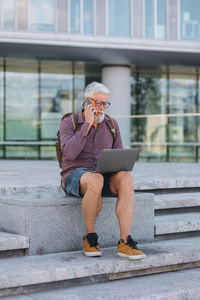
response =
{"points": [[124, 180], [93, 182]]}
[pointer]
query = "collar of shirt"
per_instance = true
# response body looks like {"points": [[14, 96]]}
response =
{"points": [[82, 120]]}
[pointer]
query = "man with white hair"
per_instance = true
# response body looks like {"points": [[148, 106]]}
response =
{"points": [[81, 151]]}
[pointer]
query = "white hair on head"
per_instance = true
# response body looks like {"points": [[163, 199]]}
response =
{"points": [[95, 87]]}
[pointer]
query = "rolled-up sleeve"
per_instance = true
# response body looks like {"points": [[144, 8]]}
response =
{"points": [[72, 143]]}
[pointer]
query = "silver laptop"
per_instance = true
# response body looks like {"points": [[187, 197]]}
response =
{"points": [[115, 160]]}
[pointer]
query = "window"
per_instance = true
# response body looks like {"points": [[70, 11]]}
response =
{"points": [[190, 19], [21, 99], [88, 16], [75, 16], [149, 18], [119, 17], [161, 19], [8, 14], [42, 15]]}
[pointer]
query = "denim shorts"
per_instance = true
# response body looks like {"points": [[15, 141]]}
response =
{"points": [[73, 180]]}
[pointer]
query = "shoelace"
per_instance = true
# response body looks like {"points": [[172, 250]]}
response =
{"points": [[93, 240], [131, 242], [93, 243]]}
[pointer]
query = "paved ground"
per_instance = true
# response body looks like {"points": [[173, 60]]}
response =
{"points": [[32, 173]]}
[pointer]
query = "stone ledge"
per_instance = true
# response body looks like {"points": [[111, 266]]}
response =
{"points": [[54, 222], [9, 241], [176, 223], [174, 285], [33, 270], [176, 200]]}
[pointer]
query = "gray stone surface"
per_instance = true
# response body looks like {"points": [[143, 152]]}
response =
{"points": [[175, 223], [38, 269], [169, 286], [177, 200], [10, 241], [37, 176], [54, 222]]}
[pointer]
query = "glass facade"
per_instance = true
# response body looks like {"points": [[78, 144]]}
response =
{"points": [[136, 19], [88, 14], [161, 19], [34, 95], [190, 19], [149, 19], [42, 15], [119, 17], [165, 101], [8, 15], [75, 24]]}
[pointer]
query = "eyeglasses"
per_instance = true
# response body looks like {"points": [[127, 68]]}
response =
{"points": [[99, 103]]}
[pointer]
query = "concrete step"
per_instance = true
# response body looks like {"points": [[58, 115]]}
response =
{"points": [[34, 273], [12, 244], [62, 224], [173, 285], [176, 200], [177, 223]]}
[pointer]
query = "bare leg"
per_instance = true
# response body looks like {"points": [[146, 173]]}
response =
{"points": [[91, 185], [122, 184]]}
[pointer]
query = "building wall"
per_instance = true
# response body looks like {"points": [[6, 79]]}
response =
{"points": [[50, 49]]}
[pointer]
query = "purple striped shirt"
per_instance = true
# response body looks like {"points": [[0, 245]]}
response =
{"points": [[80, 150]]}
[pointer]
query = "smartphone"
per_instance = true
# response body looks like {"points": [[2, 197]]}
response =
{"points": [[86, 101]]}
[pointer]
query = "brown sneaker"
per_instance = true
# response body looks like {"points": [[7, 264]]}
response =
{"points": [[91, 245], [129, 249]]}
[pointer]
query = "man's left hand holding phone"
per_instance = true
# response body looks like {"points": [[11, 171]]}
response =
{"points": [[89, 113]]}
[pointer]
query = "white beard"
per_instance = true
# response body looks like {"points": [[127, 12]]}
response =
{"points": [[99, 119]]}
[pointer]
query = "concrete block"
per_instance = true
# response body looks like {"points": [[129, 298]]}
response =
{"points": [[54, 222], [9, 241]]}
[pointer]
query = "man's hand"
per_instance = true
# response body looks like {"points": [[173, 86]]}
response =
{"points": [[89, 113]]}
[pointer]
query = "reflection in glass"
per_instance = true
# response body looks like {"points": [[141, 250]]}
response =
{"points": [[22, 152], [8, 13], [181, 154], [149, 18], [56, 95], [62, 11], [79, 85], [150, 98], [161, 13], [100, 17], [182, 100], [190, 19], [21, 99], [88, 16], [22, 14], [75, 16], [149, 92], [119, 17], [42, 15]]}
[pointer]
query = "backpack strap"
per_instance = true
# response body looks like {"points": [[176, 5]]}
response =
{"points": [[110, 123], [75, 123]]}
